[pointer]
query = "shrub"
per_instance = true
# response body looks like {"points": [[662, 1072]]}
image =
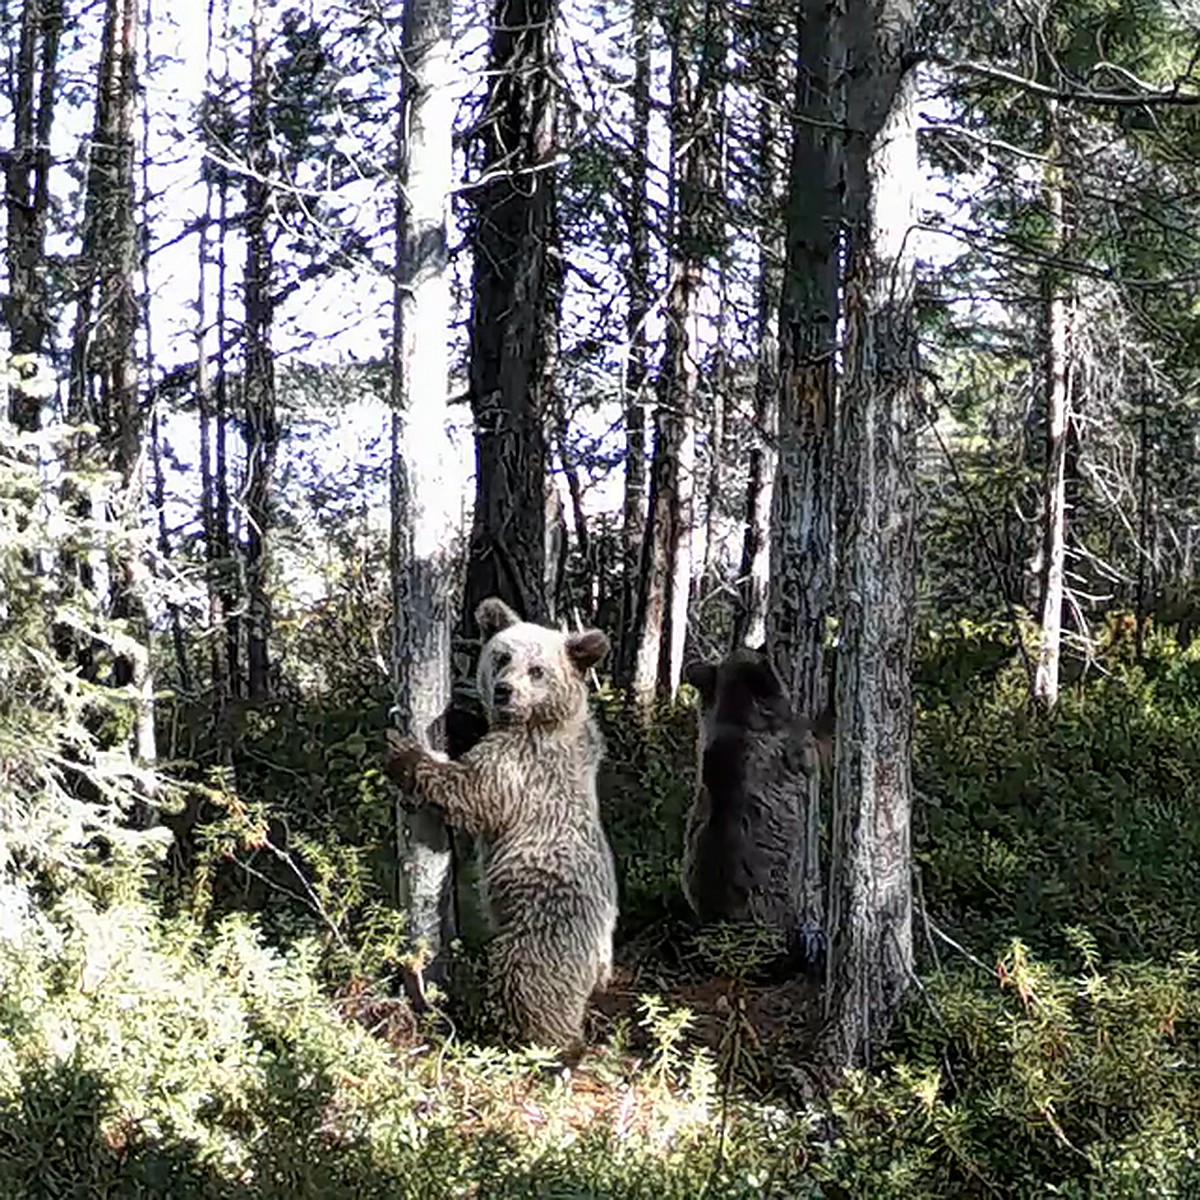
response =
{"points": [[1086, 1082], [1026, 824]]}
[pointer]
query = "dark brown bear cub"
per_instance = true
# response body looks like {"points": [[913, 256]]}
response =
{"points": [[747, 837]]}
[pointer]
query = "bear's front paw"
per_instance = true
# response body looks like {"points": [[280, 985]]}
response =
{"points": [[401, 757]]}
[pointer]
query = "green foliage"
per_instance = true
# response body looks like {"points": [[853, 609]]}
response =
{"points": [[1027, 824], [68, 782], [159, 1061], [646, 786], [1040, 1081], [307, 840]]}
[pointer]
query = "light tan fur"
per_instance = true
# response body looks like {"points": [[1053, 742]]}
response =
{"points": [[528, 789]]}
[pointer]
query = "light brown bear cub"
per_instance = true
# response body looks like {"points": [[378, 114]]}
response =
{"points": [[529, 790]]}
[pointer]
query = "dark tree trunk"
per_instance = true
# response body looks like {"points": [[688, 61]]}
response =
{"points": [[801, 551], [802, 543], [262, 431], [103, 386], [871, 889], [214, 495], [223, 542], [512, 236], [27, 191], [709, 577]]}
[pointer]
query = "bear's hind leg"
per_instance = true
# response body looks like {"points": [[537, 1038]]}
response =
{"points": [[543, 1002]]}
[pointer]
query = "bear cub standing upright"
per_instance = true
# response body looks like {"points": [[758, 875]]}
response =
{"points": [[529, 789], [747, 838]]}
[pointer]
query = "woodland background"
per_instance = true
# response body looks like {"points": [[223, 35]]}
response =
{"points": [[865, 331]]}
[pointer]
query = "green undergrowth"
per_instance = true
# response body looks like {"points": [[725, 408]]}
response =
{"points": [[1077, 1079], [142, 1057], [147, 1057], [1027, 824]]}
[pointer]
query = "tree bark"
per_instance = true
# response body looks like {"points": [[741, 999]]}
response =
{"points": [[27, 191], [262, 430], [512, 238], [424, 507], [802, 525], [637, 276], [103, 385], [223, 533], [754, 571], [709, 577], [1055, 333], [666, 573], [801, 545], [871, 891]]}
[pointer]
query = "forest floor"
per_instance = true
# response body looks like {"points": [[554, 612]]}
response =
{"points": [[758, 1031]]}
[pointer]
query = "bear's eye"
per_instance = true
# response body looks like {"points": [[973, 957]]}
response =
{"points": [[536, 672], [501, 660]]}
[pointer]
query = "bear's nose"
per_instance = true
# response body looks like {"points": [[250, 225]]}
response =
{"points": [[502, 692]]}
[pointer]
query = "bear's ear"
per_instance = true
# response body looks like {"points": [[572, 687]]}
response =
{"points": [[703, 677], [493, 615], [586, 649]]}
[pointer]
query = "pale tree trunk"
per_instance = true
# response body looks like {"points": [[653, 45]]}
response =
{"points": [[424, 464], [754, 571], [1055, 333], [258, 380], [510, 341], [555, 429], [27, 190], [667, 547], [637, 275], [871, 962], [587, 602]]}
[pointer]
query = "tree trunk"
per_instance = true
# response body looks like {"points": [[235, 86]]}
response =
{"points": [[801, 545], [754, 571], [555, 584], [637, 278], [871, 889], [27, 190], [512, 237], [802, 541], [214, 502], [103, 386], [223, 540], [666, 573], [715, 459], [1055, 332], [424, 502], [262, 431]]}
